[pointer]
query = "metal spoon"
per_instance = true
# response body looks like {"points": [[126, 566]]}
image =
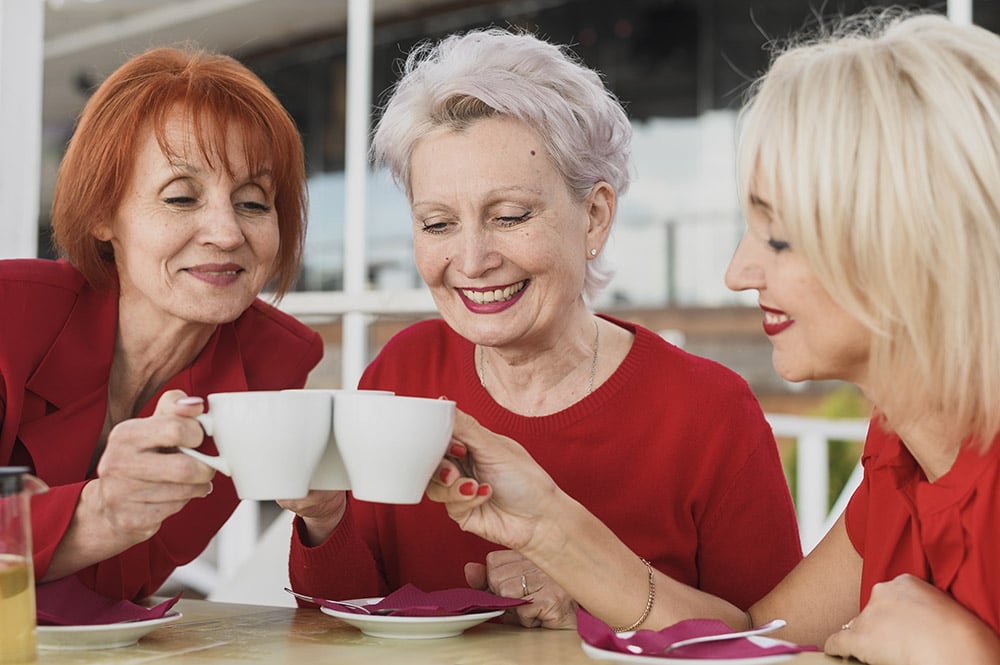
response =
{"points": [[768, 627]]}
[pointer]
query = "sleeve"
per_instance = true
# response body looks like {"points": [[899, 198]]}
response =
{"points": [[342, 567], [749, 538], [51, 514]]}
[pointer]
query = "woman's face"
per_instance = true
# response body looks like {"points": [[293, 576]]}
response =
{"points": [[814, 338], [498, 236], [192, 243]]}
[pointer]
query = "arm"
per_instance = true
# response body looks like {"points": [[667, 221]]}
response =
{"points": [[339, 567], [820, 594], [137, 488], [516, 504]]}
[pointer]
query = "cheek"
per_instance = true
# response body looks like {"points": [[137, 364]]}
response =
{"points": [[431, 259]]}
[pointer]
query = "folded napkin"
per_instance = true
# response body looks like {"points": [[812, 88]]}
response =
{"points": [[598, 634], [410, 601], [67, 602]]}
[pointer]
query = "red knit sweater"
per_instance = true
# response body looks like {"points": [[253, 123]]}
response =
{"points": [[672, 452]]}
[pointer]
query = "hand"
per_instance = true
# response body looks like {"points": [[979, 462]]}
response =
{"points": [[321, 512], [551, 606], [909, 621], [138, 485], [512, 495]]}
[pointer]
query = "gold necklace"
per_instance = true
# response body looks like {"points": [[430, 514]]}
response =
{"points": [[593, 362]]}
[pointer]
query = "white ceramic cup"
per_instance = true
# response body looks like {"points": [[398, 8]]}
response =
{"points": [[391, 444], [330, 473], [269, 441]]}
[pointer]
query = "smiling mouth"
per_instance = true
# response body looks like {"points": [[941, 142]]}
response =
{"points": [[774, 318], [494, 295]]}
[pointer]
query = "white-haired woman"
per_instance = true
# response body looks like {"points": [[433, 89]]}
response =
{"points": [[513, 156], [870, 176]]}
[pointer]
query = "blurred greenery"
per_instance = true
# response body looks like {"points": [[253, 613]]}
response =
{"points": [[846, 401]]}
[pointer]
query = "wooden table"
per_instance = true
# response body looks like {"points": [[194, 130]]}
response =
{"points": [[212, 632]]}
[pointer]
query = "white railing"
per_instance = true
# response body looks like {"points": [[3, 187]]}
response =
{"points": [[813, 469], [239, 539]]}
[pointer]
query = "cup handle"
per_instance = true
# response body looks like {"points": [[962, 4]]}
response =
{"points": [[216, 463]]}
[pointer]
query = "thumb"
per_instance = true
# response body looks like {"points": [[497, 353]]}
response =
{"points": [[475, 575]]}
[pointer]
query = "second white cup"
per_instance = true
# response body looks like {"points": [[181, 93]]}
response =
{"points": [[391, 444]]}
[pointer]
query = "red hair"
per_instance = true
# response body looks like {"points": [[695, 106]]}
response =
{"points": [[217, 94]]}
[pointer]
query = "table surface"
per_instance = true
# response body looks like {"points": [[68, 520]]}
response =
{"points": [[211, 632]]}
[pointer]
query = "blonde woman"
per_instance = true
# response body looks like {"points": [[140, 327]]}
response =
{"points": [[870, 177]]}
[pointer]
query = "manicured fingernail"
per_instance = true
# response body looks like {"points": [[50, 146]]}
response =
{"points": [[483, 490], [457, 450], [190, 401], [467, 488], [444, 474]]}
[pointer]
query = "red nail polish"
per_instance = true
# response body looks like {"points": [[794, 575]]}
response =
{"points": [[443, 475], [467, 488], [457, 450], [483, 490]]}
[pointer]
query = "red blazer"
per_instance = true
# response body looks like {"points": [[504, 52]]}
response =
{"points": [[57, 339]]}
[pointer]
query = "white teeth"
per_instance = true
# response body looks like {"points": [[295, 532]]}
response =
{"points": [[771, 317], [484, 297]]}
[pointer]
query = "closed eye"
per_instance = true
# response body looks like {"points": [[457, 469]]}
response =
{"points": [[514, 220], [777, 245]]}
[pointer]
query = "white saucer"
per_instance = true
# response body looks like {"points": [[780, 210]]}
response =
{"points": [[606, 654], [100, 636], [410, 628]]}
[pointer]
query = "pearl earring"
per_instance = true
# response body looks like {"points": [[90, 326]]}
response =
{"points": [[593, 252]]}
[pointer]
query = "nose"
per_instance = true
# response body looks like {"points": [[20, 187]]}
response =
{"points": [[744, 271], [476, 253], [220, 225]]}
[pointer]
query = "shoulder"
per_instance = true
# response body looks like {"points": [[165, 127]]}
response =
{"points": [[432, 338], [416, 355], [672, 368], [38, 275], [37, 295], [275, 339]]}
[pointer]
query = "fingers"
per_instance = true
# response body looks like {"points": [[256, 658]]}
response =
{"points": [[475, 575], [449, 485]]}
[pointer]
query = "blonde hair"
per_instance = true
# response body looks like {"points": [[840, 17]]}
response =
{"points": [[880, 144]]}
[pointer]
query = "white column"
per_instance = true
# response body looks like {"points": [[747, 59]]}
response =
{"points": [[21, 37], [354, 351], [960, 11]]}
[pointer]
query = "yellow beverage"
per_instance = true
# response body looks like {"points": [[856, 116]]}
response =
{"points": [[17, 610]]}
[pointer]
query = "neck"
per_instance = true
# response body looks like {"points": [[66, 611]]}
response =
{"points": [[146, 357], [543, 381], [932, 441]]}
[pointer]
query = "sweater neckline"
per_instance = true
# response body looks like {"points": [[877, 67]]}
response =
{"points": [[511, 422]]}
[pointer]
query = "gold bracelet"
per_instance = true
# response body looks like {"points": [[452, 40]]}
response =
{"points": [[649, 602]]}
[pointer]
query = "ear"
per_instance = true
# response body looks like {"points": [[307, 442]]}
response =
{"points": [[103, 232], [601, 212]]}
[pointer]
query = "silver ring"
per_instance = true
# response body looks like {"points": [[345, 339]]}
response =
{"points": [[847, 626], [524, 586]]}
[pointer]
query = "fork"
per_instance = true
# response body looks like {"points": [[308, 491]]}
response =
{"points": [[328, 603]]}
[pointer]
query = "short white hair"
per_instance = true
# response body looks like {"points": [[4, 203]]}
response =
{"points": [[484, 73]]}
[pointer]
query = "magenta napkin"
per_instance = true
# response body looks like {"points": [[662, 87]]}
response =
{"points": [[598, 634], [67, 602], [410, 601]]}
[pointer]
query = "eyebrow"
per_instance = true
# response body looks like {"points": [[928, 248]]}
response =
{"points": [[493, 194]]}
